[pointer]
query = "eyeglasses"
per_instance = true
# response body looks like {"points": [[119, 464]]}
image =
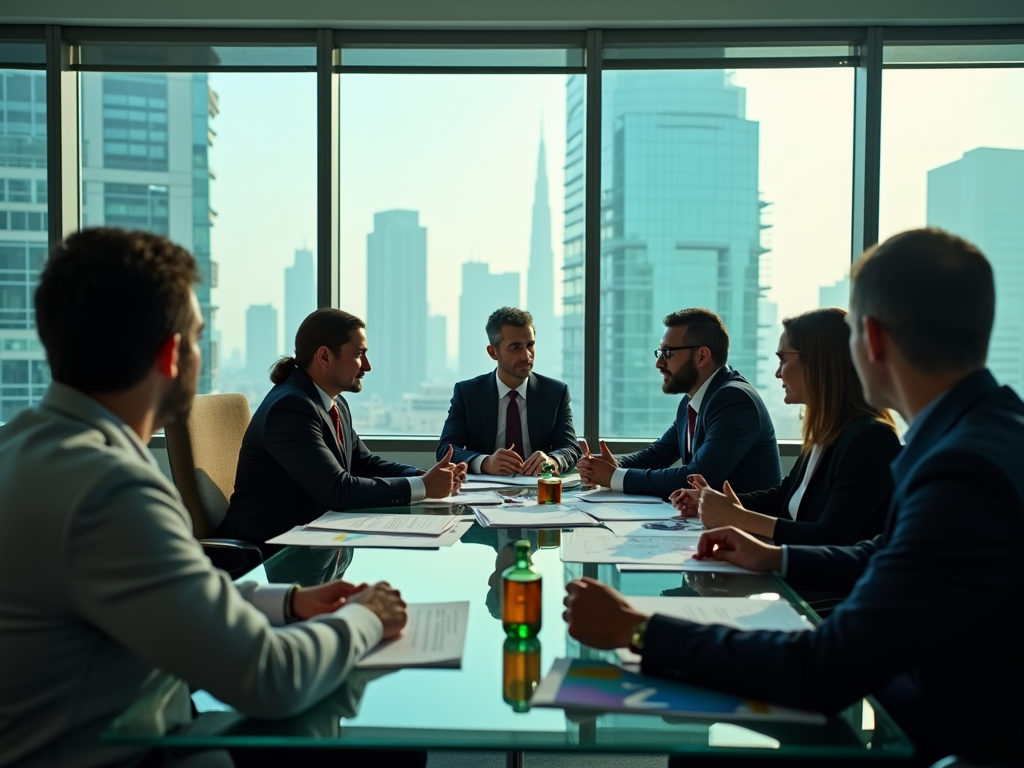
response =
{"points": [[782, 355], [665, 353]]}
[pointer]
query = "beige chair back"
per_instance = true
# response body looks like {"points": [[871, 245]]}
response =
{"points": [[203, 453]]}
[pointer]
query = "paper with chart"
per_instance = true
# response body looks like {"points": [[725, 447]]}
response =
{"points": [[533, 515], [477, 482], [404, 525], [653, 552], [586, 685], [736, 612], [608, 496], [631, 511], [302, 536], [434, 637], [680, 528]]}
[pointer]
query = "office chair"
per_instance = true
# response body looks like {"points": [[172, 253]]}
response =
{"points": [[203, 453]]}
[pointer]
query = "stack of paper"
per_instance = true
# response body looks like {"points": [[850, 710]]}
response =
{"points": [[658, 510], [671, 553], [608, 496], [344, 529], [434, 637], [477, 499], [736, 612], [595, 686], [482, 482], [533, 516]]}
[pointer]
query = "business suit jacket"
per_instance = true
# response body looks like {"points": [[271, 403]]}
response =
{"points": [[472, 424], [936, 600], [733, 440], [848, 496], [291, 469], [102, 583]]}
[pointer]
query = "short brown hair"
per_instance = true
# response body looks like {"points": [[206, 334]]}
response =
{"points": [[324, 327], [835, 397], [703, 327], [106, 302], [935, 295]]}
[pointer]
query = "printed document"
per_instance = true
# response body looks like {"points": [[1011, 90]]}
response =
{"points": [[434, 637], [533, 516], [508, 481], [405, 525], [642, 511], [651, 552], [608, 496], [301, 536]]}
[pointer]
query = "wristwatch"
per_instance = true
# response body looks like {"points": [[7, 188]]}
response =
{"points": [[636, 640], [289, 605]]}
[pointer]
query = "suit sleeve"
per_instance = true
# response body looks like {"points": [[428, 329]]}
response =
{"points": [[860, 482], [293, 437], [565, 448], [366, 464], [455, 432], [663, 453], [898, 612], [731, 429], [772, 501], [135, 571]]}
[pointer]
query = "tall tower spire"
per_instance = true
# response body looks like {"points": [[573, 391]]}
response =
{"points": [[540, 289]]}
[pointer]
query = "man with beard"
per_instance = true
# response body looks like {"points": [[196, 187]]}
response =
{"points": [[722, 430], [511, 421], [103, 581], [301, 456]]}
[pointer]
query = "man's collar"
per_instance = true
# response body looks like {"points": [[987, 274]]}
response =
{"points": [[698, 397], [504, 389], [922, 416], [326, 399]]}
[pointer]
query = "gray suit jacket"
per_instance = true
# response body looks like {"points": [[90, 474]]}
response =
{"points": [[102, 582]]}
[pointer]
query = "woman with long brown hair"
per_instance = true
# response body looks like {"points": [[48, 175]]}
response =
{"points": [[838, 491]]}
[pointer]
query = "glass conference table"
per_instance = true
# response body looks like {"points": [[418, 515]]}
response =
{"points": [[466, 708]]}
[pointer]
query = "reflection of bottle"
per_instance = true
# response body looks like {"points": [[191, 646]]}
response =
{"points": [[520, 595], [549, 486], [521, 671], [549, 538]]}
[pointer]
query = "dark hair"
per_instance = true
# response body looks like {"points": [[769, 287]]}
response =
{"points": [[107, 300], [325, 327], [935, 295], [520, 318], [835, 398], [703, 327]]}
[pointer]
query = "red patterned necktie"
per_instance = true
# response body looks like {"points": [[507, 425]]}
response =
{"points": [[514, 425], [336, 418], [691, 425]]}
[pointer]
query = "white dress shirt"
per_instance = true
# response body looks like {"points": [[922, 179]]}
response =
{"points": [[476, 465], [417, 489], [619, 475], [798, 495]]}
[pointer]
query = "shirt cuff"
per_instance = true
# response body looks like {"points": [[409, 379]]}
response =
{"points": [[785, 561], [269, 599], [476, 464], [618, 480], [417, 490], [361, 621]]}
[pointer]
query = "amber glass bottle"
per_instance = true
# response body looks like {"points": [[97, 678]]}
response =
{"points": [[521, 671]]}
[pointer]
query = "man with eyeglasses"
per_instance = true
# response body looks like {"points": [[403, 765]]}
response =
{"points": [[722, 430]]}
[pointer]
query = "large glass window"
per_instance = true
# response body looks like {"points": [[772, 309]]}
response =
{"points": [[729, 190], [23, 236], [224, 164], [457, 192], [953, 157]]}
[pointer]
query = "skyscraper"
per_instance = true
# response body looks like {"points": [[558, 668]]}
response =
{"points": [[835, 295], [680, 227], [981, 198], [299, 295], [261, 346], [145, 165], [437, 349], [24, 374], [396, 302], [482, 293], [540, 278]]}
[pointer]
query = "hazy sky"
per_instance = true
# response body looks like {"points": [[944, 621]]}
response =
{"points": [[462, 150]]}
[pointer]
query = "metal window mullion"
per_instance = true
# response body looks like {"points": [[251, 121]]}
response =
{"points": [[327, 189], [63, 158], [867, 143], [592, 251]]}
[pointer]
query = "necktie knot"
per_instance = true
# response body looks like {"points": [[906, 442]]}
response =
{"points": [[335, 415], [512, 394]]}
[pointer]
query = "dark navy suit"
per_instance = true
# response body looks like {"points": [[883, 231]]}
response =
{"points": [[933, 625], [733, 440], [291, 469], [472, 425]]}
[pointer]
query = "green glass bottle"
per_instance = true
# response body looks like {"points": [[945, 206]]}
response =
{"points": [[521, 595]]}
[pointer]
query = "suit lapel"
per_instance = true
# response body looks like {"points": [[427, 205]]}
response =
{"points": [[534, 415], [720, 378], [489, 409], [302, 380], [346, 430]]}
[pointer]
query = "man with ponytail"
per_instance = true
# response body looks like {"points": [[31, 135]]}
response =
{"points": [[301, 457]]}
